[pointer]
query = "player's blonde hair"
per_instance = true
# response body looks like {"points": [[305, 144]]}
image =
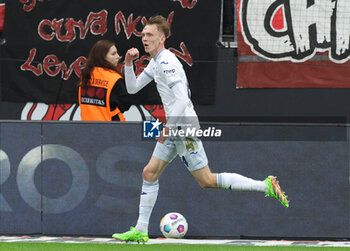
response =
{"points": [[161, 23]]}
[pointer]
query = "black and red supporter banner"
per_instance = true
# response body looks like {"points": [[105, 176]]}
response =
{"points": [[48, 41], [293, 44], [2, 15]]}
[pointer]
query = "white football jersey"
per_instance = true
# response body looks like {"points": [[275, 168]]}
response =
{"points": [[171, 82]]}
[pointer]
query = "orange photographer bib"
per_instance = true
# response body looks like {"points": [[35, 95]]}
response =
{"points": [[94, 99]]}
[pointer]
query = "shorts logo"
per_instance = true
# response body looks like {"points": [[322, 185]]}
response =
{"points": [[152, 128], [191, 145]]}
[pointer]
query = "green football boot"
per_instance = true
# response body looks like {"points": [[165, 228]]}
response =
{"points": [[132, 235], [274, 190]]}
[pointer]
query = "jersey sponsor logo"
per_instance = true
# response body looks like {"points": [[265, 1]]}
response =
{"points": [[163, 62], [169, 71]]}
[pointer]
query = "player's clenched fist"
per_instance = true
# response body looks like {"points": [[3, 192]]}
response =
{"points": [[131, 55]]}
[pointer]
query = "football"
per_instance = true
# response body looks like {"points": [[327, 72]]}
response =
{"points": [[173, 225]]}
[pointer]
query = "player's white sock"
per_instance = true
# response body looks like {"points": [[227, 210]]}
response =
{"points": [[234, 181], [148, 198]]}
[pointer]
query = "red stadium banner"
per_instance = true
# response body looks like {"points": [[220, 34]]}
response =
{"points": [[293, 44], [2, 15], [47, 43]]}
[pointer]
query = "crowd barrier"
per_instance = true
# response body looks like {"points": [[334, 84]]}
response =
{"points": [[75, 178]]}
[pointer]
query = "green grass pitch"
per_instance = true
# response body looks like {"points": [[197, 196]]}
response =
{"points": [[154, 247]]}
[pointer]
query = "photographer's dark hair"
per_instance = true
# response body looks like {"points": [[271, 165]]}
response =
{"points": [[96, 58]]}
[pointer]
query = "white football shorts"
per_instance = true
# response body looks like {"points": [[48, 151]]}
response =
{"points": [[189, 149]]}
